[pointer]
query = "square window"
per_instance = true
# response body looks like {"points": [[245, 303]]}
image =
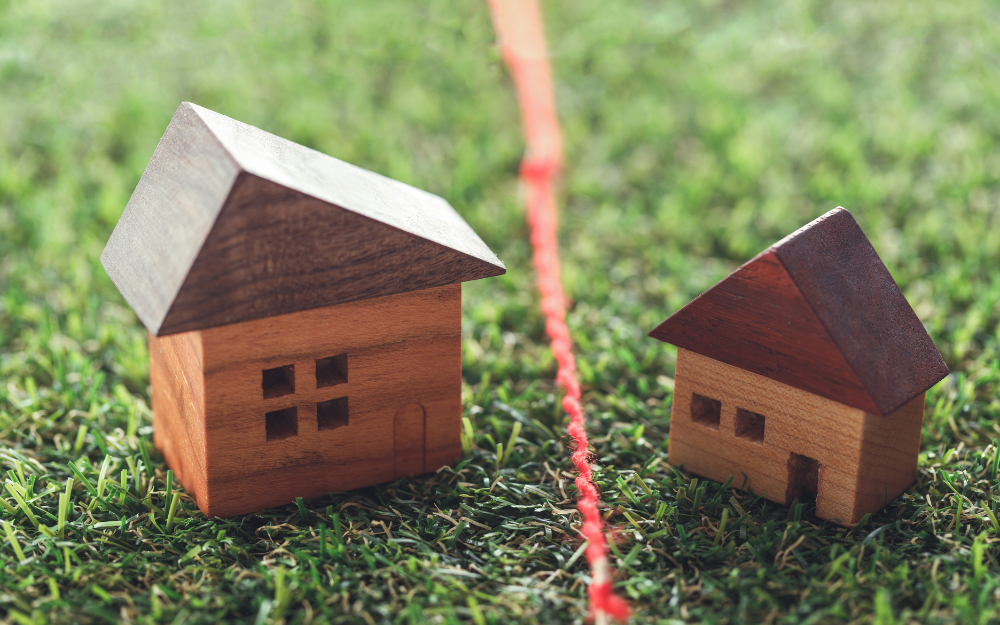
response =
{"points": [[282, 424], [332, 414], [750, 425], [278, 381], [331, 371], [706, 411]]}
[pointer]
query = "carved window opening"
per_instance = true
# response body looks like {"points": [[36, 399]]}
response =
{"points": [[750, 425], [331, 371], [281, 424], [706, 411], [278, 381], [332, 414]]}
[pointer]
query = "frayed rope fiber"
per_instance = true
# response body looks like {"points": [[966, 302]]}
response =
{"points": [[519, 26]]}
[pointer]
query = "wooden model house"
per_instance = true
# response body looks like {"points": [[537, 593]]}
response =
{"points": [[304, 315], [803, 373]]}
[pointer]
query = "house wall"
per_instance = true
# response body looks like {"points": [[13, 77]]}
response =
{"points": [[858, 453], [178, 398], [403, 352]]}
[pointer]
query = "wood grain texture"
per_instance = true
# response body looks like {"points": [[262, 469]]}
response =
{"points": [[401, 349], [178, 389], [409, 441], [165, 222], [274, 251], [889, 453], [230, 223], [853, 294], [859, 453], [758, 320], [352, 188], [817, 311]]}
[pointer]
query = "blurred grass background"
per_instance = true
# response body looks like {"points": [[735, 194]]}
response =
{"points": [[697, 133]]}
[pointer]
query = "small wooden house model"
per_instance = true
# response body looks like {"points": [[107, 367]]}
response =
{"points": [[803, 373], [304, 315]]}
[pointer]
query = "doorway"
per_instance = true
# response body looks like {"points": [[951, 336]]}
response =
{"points": [[803, 479], [409, 441]]}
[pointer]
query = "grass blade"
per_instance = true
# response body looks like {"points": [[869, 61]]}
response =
{"points": [[21, 503], [173, 511], [16, 546]]}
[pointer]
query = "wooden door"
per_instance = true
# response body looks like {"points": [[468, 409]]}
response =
{"points": [[409, 440]]}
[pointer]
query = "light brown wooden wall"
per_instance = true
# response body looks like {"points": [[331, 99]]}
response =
{"points": [[402, 349], [175, 364], [865, 460]]}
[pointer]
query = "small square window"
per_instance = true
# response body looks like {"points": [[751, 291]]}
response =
{"points": [[278, 381], [706, 411], [282, 424], [332, 414], [750, 425], [331, 371]]}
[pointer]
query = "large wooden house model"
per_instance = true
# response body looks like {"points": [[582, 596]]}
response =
{"points": [[304, 315], [803, 374]]}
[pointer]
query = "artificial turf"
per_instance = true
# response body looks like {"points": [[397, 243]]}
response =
{"points": [[697, 133]]}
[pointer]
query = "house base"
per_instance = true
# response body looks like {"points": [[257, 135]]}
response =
{"points": [[255, 414], [785, 443]]}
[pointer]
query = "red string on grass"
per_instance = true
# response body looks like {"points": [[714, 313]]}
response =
{"points": [[519, 26]]}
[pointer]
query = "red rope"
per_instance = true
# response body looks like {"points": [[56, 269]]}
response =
{"points": [[519, 26]]}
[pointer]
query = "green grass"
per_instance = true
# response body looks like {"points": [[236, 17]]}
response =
{"points": [[696, 135]]}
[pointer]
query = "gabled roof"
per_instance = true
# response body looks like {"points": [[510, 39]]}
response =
{"points": [[819, 311], [230, 223]]}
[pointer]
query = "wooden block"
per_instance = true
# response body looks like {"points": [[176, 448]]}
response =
{"points": [[849, 455], [230, 224], [341, 379], [817, 311]]}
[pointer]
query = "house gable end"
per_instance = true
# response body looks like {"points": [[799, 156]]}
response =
{"points": [[168, 217]]}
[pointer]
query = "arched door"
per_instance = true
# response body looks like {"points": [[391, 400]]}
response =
{"points": [[409, 441]]}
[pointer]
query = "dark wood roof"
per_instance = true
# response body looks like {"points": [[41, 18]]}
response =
{"points": [[230, 223], [818, 311]]}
